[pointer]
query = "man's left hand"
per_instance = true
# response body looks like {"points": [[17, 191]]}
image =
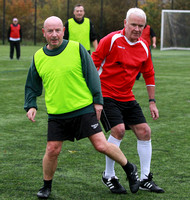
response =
{"points": [[154, 111], [98, 108]]}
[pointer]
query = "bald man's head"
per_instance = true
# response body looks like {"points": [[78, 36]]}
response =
{"points": [[53, 31], [51, 20]]}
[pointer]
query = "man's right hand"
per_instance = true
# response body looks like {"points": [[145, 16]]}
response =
{"points": [[31, 114]]}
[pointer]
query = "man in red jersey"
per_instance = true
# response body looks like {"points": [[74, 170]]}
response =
{"points": [[147, 34], [15, 37], [120, 56]]}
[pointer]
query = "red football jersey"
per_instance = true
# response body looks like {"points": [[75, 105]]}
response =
{"points": [[118, 62]]}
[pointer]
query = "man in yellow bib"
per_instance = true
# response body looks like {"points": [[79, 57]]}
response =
{"points": [[81, 29], [73, 100]]}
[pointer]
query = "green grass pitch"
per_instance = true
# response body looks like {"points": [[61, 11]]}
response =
{"points": [[78, 176]]}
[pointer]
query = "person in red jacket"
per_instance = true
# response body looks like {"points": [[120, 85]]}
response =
{"points": [[147, 34], [15, 37], [119, 57]]}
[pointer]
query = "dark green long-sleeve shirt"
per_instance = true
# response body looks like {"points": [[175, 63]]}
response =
{"points": [[33, 87]]}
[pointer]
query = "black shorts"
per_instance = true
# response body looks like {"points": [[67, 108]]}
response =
{"points": [[77, 127], [117, 112]]}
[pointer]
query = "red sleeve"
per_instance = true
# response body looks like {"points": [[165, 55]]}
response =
{"points": [[148, 71], [102, 50]]}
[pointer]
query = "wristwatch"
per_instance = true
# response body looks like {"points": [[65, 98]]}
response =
{"points": [[152, 100]]}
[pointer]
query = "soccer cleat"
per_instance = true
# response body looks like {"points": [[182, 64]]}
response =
{"points": [[114, 185], [149, 185], [134, 181], [44, 193]]}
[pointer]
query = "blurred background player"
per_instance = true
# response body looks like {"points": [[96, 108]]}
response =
{"points": [[15, 37], [147, 34], [81, 29]]}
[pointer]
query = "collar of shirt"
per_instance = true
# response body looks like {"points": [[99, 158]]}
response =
{"points": [[79, 22]]}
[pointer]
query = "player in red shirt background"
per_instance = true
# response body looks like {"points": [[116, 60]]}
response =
{"points": [[147, 34], [15, 37], [120, 56]]}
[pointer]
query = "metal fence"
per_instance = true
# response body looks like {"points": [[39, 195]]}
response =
{"points": [[100, 19]]}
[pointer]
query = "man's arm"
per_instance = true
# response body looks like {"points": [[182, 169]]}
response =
{"points": [[153, 36], [148, 75], [102, 51], [8, 33], [95, 44], [20, 35], [33, 88], [93, 36], [154, 41], [66, 33]]}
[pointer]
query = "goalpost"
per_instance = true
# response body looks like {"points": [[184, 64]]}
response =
{"points": [[175, 30]]}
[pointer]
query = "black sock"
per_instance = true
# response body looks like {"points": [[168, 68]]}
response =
{"points": [[47, 184], [128, 168]]}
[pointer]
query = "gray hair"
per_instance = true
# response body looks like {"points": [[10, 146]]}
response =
{"points": [[137, 11], [78, 5]]}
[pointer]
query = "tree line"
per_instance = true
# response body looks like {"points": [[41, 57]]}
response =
{"points": [[106, 15]]}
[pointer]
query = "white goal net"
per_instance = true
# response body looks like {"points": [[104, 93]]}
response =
{"points": [[175, 30]]}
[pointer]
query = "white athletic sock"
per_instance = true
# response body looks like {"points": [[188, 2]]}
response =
{"points": [[144, 149], [109, 170]]}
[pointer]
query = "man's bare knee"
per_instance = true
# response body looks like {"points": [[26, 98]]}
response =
{"points": [[101, 147], [53, 149], [118, 131], [142, 131]]}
